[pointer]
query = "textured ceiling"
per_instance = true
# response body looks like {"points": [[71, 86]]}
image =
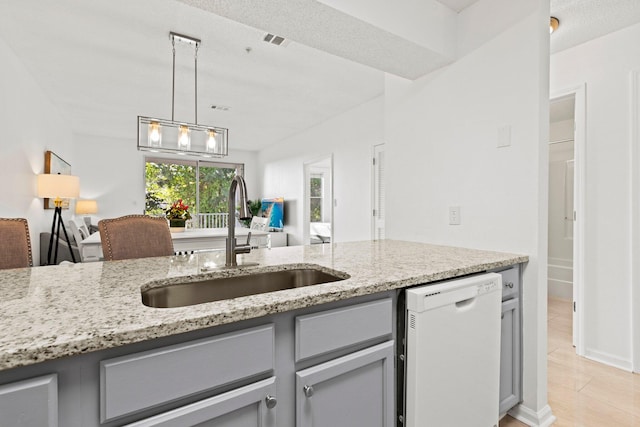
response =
{"points": [[104, 62], [322, 27], [584, 20]]}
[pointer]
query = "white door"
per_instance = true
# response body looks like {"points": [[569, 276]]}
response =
{"points": [[378, 192]]}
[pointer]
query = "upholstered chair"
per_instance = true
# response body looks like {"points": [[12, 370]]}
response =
{"points": [[135, 236], [15, 243]]}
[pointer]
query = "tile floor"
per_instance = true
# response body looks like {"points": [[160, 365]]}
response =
{"points": [[582, 392]]}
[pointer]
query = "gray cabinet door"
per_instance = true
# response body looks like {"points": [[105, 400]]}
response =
{"points": [[510, 355], [249, 406], [30, 403], [354, 390]]}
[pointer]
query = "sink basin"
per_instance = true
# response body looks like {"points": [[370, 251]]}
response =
{"points": [[220, 288]]}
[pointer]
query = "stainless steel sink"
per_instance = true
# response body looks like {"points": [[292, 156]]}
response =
{"points": [[220, 288]]}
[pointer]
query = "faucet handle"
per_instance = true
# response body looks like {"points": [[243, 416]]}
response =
{"points": [[249, 238]]}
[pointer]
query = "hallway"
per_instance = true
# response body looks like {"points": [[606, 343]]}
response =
{"points": [[582, 392]]}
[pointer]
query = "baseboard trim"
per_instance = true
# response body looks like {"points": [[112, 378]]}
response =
{"points": [[608, 359], [541, 418]]}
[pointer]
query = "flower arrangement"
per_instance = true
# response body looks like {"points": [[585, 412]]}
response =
{"points": [[178, 210]]}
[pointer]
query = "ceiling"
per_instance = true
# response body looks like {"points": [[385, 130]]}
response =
{"points": [[584, 20], [104, 62]]}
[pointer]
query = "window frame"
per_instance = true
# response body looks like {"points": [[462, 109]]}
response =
{"points": [[197, 163]]}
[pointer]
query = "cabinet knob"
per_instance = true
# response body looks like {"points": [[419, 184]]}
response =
{"points": [[271, 401], [308, 390], [509, 285]]}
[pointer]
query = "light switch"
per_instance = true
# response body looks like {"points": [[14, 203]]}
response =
{"points": [[504, 136], [454, 215]]}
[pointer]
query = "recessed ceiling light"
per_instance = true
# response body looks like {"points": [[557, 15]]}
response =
{"points": [[553, 25]]}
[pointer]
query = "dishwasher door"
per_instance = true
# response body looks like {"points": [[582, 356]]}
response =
{"points": [[452, 353]]}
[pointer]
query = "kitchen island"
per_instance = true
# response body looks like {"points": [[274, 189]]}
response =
{"points": [[93, 311]]}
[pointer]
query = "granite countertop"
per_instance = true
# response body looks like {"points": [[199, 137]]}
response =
{"points": [[55, 311]]}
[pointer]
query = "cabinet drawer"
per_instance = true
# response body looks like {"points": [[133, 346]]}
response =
{"points": [[332, 330], [143, 380], [244, 406], [32, 402], [510, 282]]}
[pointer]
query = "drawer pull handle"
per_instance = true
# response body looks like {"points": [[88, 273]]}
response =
{"points": [[308, 390], [271, 401]]}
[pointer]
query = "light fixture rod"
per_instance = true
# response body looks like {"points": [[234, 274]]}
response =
{"points": [[196, 43]]}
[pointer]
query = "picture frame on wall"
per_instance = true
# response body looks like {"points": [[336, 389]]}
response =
{"points": [[55, 164]]}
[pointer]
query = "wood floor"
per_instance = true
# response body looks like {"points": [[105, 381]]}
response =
{"points": [[582, 392]]}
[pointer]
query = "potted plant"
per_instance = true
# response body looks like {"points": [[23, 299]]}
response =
{"points": [[254, 208], [178, 214]]}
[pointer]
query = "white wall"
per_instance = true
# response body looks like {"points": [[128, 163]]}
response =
{"points": [[605, 65], [31, 124], [112, 172], [442, 135], [349, 137]]}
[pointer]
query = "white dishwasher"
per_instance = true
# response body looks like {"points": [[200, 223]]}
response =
{"points": [[452, 353]]}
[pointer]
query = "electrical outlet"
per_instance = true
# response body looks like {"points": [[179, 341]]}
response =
{"points": [[454, 215]]}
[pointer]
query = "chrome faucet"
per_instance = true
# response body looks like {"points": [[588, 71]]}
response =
{"points": [[233, 248]]}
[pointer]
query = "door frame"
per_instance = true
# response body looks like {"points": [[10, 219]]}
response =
{"points": [[635, 219], [374, 148], [579, 146], [305, 196]]}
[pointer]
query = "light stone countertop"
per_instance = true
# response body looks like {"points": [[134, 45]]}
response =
{"points": [[56, 311]]}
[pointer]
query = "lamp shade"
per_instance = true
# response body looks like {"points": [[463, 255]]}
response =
{"points": [[58, 186], [86, 207]]}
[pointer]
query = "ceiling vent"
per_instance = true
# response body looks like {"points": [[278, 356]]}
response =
{"points": [[273, 39]]}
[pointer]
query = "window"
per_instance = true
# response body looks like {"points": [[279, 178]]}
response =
{"points": [[316, 184], [202, 185]]}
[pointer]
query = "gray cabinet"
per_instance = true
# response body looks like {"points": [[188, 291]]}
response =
{"points": [[139, 381], [30, 403], [511, 341], [248, 406], [510, 355], [352, 384], [241, 374], [353, 390]]}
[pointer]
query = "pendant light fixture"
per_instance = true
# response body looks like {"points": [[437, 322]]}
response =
{"points": [[172, 136]]}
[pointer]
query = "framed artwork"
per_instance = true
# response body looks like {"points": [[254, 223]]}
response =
{"points": [[55, 164]]}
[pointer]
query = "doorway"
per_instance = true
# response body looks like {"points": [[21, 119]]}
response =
{"points": [[566, 202], [318, 212], [561, 192]]}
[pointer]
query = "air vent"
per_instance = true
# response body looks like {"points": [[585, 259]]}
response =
{"points": [[220, 107], [273, 39], [412, 321]]}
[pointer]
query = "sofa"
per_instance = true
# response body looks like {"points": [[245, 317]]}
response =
{"points": [[63, 248]]}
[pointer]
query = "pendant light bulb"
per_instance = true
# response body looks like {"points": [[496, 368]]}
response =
{"points": [[184, 139], [212, 145], [155, 134]]}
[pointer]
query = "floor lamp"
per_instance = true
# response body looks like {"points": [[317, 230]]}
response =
{"points": [[58, 187]]}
